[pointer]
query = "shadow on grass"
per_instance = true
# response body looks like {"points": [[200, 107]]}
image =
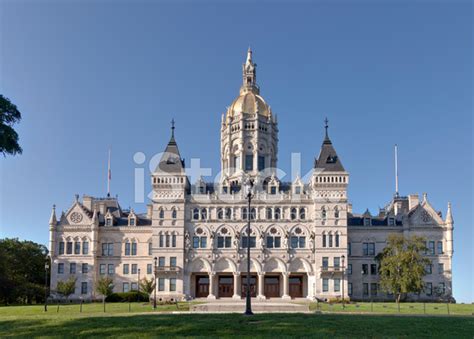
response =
{"points": [[261, 325]]}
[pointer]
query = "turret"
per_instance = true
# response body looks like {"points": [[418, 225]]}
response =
{"points": [[449, 232], [95, 231], [53, 221]]}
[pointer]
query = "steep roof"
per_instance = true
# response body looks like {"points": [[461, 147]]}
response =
{"points": [[328, 159], [171, 161]]}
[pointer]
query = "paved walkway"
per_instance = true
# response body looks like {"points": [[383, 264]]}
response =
{"points": [[238, 306]]}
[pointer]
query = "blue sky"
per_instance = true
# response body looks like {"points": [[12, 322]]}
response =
{"points": [[87, 76]]}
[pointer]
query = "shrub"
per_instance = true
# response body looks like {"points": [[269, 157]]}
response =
{"points": [[127, 296]]}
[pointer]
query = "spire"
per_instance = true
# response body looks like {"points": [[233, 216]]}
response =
{"points": [[95, 216], [328, 159], [449, 215], [249, 56], [52, 220], [171, 161], [249, 75]]}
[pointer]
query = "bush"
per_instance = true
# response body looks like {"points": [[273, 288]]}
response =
{"points": [[127, 296]]}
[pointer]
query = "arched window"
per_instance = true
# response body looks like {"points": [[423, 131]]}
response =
{"points": [[325, 240], [330, 240], [277, 213], [173, 214], [220, 213], [196, 214], [323, 213], [293, 213], [336, 212], [228, 213], [253, 214], [244, 213], [269, 213], [203, 214], [302, 214], [337, 240], [161, 214]]}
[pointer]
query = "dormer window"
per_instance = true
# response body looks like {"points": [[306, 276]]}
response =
{"points": [[108, 221], [367, 221], [391, 221], [297, 190], [273, 190], [132, 221], [225, 189], [201, 190]]}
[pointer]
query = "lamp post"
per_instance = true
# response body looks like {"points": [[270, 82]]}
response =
{"points": [[46, 268], [248, 192], [343, 258], [156, 273], [138, 281]]}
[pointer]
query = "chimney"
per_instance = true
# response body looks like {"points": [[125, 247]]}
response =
{"points": [[149, 211], [413, 201], [87, 202], [349, 208]]}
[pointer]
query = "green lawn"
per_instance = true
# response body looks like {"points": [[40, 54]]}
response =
{"points": [[29, 321]]}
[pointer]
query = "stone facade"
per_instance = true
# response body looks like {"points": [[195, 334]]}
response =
{"points": [[305, 240]]}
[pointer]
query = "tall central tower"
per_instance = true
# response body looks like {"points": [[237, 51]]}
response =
{"points": [[249, 133]]}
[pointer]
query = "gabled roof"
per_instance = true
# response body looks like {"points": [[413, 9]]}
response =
{"points": [[328, 159], [171, 161]]}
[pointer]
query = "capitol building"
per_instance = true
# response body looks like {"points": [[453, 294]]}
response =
{"points": [[305, 239]]}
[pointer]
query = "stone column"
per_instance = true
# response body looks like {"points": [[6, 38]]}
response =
{"points": [[261, 293], [237, 288], [212, 276], [286, 285]]}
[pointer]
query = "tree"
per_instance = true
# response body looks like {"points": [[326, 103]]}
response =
{"points": [[147, 286], [402, 265], [105, 287], [9, 115], [22, 271], [66, 287]]}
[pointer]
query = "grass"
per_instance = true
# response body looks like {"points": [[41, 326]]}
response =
{"points": [[27, 321], [391, 308]]}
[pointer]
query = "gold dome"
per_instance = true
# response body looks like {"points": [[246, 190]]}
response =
{"points": [[250, 103]]}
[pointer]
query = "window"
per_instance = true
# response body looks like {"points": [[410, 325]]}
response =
{"points": [[203, 242], [302, 213], [245, 215], [161, 261], [368, 248], [367, 221], [277, 213], [337, 240], [336, 213], [349, 289], [134, 268], [325, 284], [236, 162], [84, 287], [77, 247], [228, 213], [440, 268], [134, 286], [297, 190], [273, 242], [172, 284], [325, 263], [110, 249], [69, 248], [224, 242], [373, 289], [324, 240], [132, 221], [391, 222], [167, 237], [203, 214], [72, 268], [293, 214], [174, 214], [273, 190], [149, 269], [196, 242], [298, 242], [85, 247], [60, 268], [249, 162], [245, 241], [134, 248], [173, 240], [161, 240], [126, 287], [195, 214], [61, 247], [429, 269], [126, 268], [442, 288], [330, 240], [373, 269], [431, 248], [161, 284], [199, 242], [110, 269], [269, 213], [127, 248], [261, 163], [429, 288], [349, 269], [365, 269], [253, 213], [161, 214], [172, 261], [337, 285], [220, 213], [337, 263], [365, 289], [108, 222], [102, 268], [150, 248], [323, 213], [440, 247], [85, 268]]}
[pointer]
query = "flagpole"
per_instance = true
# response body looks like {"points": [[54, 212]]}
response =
{"points": [[109, 176]]}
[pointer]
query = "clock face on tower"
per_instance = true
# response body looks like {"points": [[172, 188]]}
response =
{"points": [[76, 217]]}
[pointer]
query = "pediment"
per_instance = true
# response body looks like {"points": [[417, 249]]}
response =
{"points": [[77, 215], [425, 215]]}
